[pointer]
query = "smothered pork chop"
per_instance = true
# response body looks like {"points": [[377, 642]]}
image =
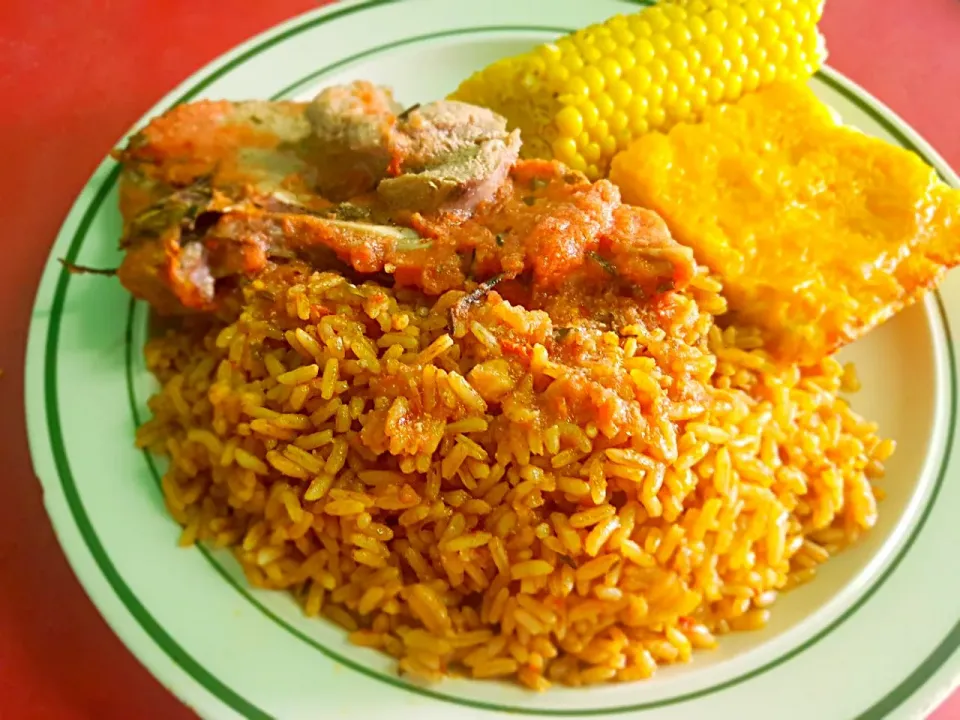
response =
{"points": [[430, 197]]}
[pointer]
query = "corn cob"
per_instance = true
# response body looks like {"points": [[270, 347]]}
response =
{"points": [[586, 96]]}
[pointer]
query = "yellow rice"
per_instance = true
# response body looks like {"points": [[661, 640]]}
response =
{"points": [[445, 518]]}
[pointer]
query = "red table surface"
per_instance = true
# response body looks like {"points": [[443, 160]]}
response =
{"points": [[73, 77]]}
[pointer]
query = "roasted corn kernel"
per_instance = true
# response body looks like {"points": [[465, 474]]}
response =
{"points": [[586, 96]]}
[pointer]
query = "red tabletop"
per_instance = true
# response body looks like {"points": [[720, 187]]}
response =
{"points": [[73, 77]]}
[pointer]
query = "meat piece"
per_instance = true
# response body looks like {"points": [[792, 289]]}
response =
{"points": [[365, 247], [191, 275], [233, 146], [431, 133], [638, 248], [145, 273], [549, 228], [353, 141], [549, 231], [188, 166], [454, 157], [214, 193], [464, 179], [177, 273]]}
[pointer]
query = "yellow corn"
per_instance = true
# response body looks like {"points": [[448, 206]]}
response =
{"points": [[588, 95]]}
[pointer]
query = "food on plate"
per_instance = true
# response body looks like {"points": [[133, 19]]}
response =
{"points": [[818, 232], [482, 412], [585, 96], [474, 409], [508, 496], [212, 191]]}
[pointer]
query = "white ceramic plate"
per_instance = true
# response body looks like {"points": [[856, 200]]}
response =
{"points": [[874, 636]]}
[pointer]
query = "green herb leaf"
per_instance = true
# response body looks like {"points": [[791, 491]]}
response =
{"points": [[458, 312], [181, 207], [406, 113], [604, 263]]}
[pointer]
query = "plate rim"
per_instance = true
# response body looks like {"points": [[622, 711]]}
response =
{"points": [[194, 85]]}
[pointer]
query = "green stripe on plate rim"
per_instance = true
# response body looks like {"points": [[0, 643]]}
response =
{"points": [[234, 700]]}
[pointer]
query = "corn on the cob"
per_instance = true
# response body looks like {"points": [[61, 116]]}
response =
{"points": [[586, 96]]}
